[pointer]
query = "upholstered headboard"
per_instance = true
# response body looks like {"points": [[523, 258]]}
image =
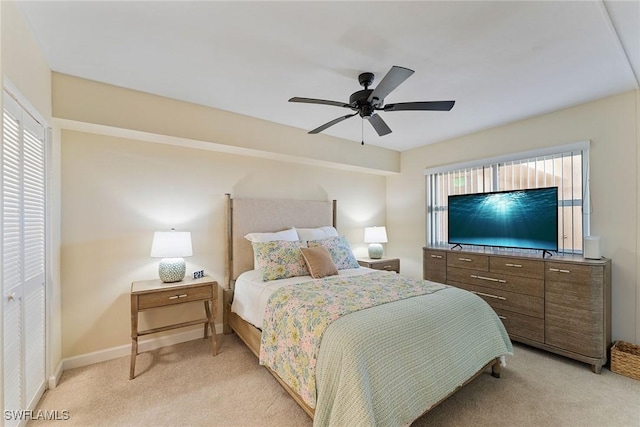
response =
{"points": [[268, 215]]}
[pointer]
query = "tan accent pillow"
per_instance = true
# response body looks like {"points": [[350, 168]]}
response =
{"points": [[319, 262]]}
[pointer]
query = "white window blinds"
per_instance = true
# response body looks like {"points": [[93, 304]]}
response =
{"points": [[564, 167]]}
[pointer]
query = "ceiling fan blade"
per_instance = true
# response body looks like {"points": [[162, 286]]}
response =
{"points": [[389, 82], [319, 101], [331, 123], [420, 106], [379, 125]]}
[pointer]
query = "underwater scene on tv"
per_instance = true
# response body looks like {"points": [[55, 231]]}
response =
{"points": [[516, 219]]}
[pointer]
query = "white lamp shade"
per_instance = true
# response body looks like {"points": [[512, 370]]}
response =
{"points": [[375, 235], [171, 244]]}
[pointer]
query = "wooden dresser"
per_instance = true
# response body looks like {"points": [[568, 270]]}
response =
{"points": [[559, 304]]}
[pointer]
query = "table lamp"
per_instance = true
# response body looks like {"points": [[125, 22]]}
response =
{"points": [[375, 236], [171, 246]]}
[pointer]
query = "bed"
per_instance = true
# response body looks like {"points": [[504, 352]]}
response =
{"points": [[364, 347]]}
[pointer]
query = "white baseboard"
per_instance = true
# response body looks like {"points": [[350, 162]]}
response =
{"points": [[55, 378], [125, 350]]}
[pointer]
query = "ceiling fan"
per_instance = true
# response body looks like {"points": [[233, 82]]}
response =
{"points": [[367, 101]]}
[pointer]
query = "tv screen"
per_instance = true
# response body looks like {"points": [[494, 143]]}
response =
{"points": [[525, 219]]}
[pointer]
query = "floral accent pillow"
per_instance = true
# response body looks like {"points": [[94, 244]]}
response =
{"points": [[340, 251], [279, 259]]}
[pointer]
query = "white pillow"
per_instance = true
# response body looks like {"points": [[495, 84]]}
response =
{"points": [[289, 235], [316, 233]]}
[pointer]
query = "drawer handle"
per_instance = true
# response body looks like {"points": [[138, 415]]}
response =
{"points": [[178, 296], [557, 270], [386, 267], [513, 265], [491, 279], [465, 259], [502, 317], [489, 295], [436, 256]]}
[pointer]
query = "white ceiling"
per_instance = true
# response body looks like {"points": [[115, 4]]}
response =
{"points": [[500, 61]]}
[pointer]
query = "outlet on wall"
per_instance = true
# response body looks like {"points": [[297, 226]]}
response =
{"points": [[198, 274]]}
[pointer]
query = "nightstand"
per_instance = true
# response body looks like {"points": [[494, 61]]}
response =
{"points": [[153, 294], [389, 264]]}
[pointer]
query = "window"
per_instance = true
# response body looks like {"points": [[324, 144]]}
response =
{"points": [[565, 167]]}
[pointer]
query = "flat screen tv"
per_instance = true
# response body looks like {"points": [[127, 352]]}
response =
{"points": [[525, 219]]}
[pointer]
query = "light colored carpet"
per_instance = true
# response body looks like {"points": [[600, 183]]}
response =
{"points": [[183, 385]]}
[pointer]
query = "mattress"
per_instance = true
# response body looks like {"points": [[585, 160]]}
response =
{"points": [[252, 293]]}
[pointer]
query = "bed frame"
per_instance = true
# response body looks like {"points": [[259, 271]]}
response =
{"points": [[271, 215], [264, 215]]}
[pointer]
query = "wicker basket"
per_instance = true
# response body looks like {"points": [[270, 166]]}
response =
{"points": [[625, 359]]}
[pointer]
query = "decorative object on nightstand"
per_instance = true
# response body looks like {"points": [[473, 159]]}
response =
{"points": [[171, 246], [375, 236]]}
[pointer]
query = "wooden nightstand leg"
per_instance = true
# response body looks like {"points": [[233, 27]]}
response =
{"points": [[211, 323], [214, 338], [134, 353], [206, 324], [134, 335]]}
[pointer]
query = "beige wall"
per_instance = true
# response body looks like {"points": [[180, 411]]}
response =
{"points": [[611, 125], [129, 167], [116, 192], [23, 62], [88, 101], [23, 65]]}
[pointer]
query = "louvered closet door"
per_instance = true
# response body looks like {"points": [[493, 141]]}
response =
{"points": [[33, 202], [12, 257], [23, 257]]}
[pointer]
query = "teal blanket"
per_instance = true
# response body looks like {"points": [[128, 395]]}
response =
{"points": [[387, 365]]}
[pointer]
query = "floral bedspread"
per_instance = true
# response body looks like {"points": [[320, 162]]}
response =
{"points": [[297, 316]]}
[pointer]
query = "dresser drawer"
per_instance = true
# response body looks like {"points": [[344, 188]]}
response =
{"points": [[520, 325], [388, 265], [575, 315], [434, 265], [174, 296], [575, 332], [521, 285], [466, 260], [504, 300], [572, 273], [435, 260], [533, 269]]}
